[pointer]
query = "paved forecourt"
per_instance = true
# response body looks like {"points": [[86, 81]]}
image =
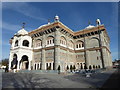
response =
{"points": [[54, 80]]}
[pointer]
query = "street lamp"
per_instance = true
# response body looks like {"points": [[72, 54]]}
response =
{"points": [[100, 44]]}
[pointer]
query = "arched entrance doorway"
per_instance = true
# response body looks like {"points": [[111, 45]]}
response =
{"points": [[14, 62], [24, 63]]}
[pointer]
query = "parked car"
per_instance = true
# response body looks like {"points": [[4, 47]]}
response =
{"points": [[115, 66]]}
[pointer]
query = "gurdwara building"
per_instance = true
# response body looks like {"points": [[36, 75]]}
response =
{"points": [[55, 45]]}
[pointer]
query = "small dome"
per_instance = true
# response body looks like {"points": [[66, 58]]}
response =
{"points": [[98, 22], [56, 18], [90, 26], [42, 25], [22, 32]]}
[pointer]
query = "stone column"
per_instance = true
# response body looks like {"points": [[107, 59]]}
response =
{"points": [[88, 59], [39, 66], [10, 59], [51, 65], [29, 68], [110, 59], [43, 59], [57, 49], [34, 66], [105, 59], [43, 52], [18, 65], [9, 64]]}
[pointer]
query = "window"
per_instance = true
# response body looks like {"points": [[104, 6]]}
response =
{"points": [[26, 43], [63, 41], [70, 44], [79, 44], [53, 40], [82, 45], [38, 43], [16, 43], [50, 40]]}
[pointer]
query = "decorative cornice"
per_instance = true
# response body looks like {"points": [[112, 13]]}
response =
{"points": [[61, 25], [70, 50]]}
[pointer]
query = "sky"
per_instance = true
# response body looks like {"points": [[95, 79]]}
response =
{"points": [[74, 15]]}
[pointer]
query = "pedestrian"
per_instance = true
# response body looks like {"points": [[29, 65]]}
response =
{"points": [[6, 69]]}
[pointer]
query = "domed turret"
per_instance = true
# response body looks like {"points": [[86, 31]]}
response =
{"points": [[56, 18], [98, 22], [22, 32]]}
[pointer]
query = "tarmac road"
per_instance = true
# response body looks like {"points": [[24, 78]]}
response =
{"points": [[113, 81]]}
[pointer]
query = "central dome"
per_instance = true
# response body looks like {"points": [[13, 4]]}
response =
{"points": [[22, 32]]}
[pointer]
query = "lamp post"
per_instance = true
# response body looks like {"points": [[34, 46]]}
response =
{"points": [[100, 44]]}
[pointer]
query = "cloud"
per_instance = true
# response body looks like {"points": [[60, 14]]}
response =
{"points": [[10, 27], [25, 9]]}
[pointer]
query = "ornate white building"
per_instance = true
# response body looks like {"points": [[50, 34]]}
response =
{"points": [[54, 44]]}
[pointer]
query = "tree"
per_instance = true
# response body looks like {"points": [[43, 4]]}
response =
{"points": [[5, 62]]}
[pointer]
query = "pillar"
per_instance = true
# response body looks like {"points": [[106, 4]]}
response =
{"points": [[10, 59], [29, 67], [34, 67], [43, 52], [51, 65], [88, 58], [18, 65], [105, 59], [39, 65], [45, 66], [57, 49]]}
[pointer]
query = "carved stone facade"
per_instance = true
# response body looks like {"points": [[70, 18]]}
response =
{"points": [[54, 44]]}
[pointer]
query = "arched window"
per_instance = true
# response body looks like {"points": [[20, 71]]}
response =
{"points": [[38, 43], [16, 43], [26, 43], [93, 42], [50, 41], [79, 44], [71, 45], [63, 41]]}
